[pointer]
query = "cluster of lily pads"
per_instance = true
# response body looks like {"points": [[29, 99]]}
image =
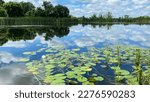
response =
{"points": [[72, 66]]}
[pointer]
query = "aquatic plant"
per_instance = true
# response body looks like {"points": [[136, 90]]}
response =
{"points": [[30, 53], [24, 60], [71, 66]]}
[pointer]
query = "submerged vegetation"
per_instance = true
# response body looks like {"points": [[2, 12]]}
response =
{"points": [[63, 66]]}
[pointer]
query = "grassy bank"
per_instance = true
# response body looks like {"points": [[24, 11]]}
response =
{"points": [[36, 21], [58, 21]]}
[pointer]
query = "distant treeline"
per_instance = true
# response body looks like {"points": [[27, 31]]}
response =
{"points": [[26, 13], [109, 18]]}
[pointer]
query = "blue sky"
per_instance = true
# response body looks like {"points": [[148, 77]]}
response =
{"points": [[88, 7]]}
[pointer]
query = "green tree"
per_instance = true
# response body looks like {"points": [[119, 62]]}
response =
{"points": [[3, 12], [93, 17], [30, 13], [49, 9], [126, 18], [39, 12], [14, 9], [27, 6], [47, 4], [109, 16], [61, 11], [1, 2]]}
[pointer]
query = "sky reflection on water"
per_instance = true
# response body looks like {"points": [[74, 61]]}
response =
{"points": [[13, 72]]}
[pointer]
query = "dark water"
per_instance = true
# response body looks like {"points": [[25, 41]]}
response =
{"points": [[16, 40]]}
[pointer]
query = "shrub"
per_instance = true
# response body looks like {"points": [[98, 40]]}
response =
{"points": [[3, 12]]}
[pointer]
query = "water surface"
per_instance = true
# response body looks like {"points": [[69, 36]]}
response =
{"points": [[14, 41]]}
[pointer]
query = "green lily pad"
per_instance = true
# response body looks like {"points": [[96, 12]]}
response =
{"points": [[49, 79], [58, 82], [81, 79], [102, 58], [103, 66], [99, 78], [77, 49], [72, 82], [59, 76], [94, 75], [87, 69], [40, 50], [49, 66], [87, 83], [24, 60], [125, 72], [91, 79], [132, 80], [70, 74], [62, 65], [53, 66], [35, 73], [51, 51], [29, 53]]}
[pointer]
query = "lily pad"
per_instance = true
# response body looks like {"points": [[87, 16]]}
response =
{"points": [[49, 79], [77, 49], [70, 74], [49, 66], [87, 83], [29, 53], [40, 50], [87, 69], [99, 78], [24, 60], [58, 82], [81, 79], [125, 72]]}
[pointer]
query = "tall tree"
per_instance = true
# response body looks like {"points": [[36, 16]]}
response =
{"points": [[109, 16], [1, 2], [126, 18], [14, 9], [93, 17], [47, 4], [61, 11], [39, 12], [27, 6], [49, 9]]}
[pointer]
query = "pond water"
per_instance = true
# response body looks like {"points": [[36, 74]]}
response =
{"points": [[21, 45]]}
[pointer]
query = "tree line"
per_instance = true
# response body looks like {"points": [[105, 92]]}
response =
{"points": [[108, 17], [27, 9]]}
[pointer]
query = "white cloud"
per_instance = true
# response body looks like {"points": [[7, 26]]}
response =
{"points": [[35, 2], [117, 7], [15, 74], [89, 36], [16, 44], [6, 57], [113, 2], [19, 44], [139, 2], [88, 7], [131, 34]]}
